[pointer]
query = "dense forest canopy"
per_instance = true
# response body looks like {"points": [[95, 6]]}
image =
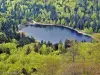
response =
{"points": [[69, 58], [80, 14], [23, 55]]}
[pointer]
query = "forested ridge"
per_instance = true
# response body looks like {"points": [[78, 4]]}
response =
{"points": [[23, 55], [80, 14]]}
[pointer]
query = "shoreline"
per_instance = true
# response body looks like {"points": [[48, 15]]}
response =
{"points": [[59, 25]]}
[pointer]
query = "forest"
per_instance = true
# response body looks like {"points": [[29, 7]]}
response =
{"points": [[24, 55]]}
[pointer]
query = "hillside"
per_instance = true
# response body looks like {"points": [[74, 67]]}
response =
{"points": [[80, 14], [24, 55]]}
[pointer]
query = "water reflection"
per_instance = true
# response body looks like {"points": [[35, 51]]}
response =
{"points": [[54, 33]]}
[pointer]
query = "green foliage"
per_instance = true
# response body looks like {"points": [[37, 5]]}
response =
{"points": [[51, 65], [19, 57], [3, 37], [43, 49], [89, 31], [24, 21], [47, 61], [74, 13]]}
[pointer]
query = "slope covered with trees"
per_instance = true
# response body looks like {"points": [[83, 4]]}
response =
{"points": [[23, 55], [80, 14], [70, 58]]}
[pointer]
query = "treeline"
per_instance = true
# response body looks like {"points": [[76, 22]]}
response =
{"points": [[80, 14], [19, 38]]}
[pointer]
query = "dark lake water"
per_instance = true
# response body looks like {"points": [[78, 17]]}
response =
{"points": [[54, 33]]}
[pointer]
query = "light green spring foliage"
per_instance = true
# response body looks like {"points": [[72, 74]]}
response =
{"points": [[18, 59], [85, 55]]}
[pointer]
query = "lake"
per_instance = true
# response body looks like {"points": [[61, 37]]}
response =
{"points": [[54, 33]]}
